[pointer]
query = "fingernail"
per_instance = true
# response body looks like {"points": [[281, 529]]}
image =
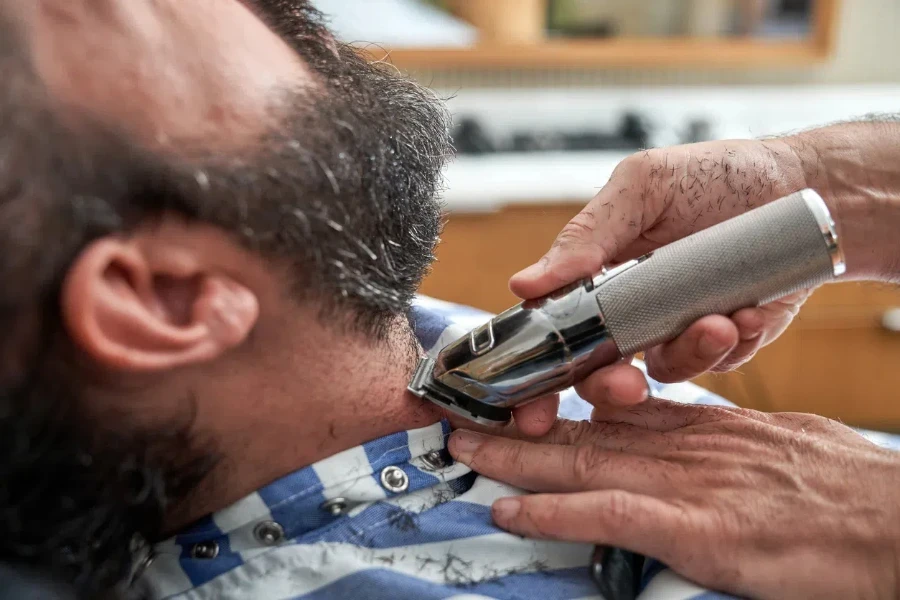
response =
{"points": [[752, 332], [464, 443], [748, 336], [532, 272], [506, 509], [628, 399], [710, 346]]}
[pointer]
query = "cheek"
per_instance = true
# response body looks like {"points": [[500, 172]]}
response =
{"points": [[168, 71]]}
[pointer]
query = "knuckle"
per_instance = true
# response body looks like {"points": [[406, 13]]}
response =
{"points": [[618, 509], [569, 433], [796, 299], [671, 365], [633, 161], [511, 454], [740, 355], [496, 454], [584, 222], [624, 167], [542, 515], [661, 369], [588, 460], [753, 417], [732, 362], [812, 423], [784, 310], [701, 415], [723, 441], [579, 231]]}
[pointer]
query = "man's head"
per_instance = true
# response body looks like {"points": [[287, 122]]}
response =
{"points": [[188, 189]]}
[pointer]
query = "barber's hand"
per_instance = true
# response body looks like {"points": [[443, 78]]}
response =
{"points": [[655, 197], [766, 506]]}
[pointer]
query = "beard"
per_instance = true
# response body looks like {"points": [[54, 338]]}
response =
{"points": [[344, 190]]}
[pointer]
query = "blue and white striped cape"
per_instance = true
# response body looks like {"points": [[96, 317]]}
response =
{"points": [[433, 540]]}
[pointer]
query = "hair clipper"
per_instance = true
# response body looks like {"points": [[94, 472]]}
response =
{"points": [[543, 346]]}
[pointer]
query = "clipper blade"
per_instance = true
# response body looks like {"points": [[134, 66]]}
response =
{"points": [[425, 386]]}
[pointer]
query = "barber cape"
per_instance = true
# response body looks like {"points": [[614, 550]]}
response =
{"points": [[393, 518]]}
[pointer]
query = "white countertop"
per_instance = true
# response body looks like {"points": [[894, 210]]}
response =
{"points": [[486, 183], [482, 184]]}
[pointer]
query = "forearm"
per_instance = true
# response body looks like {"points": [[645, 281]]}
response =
{"points": [[856, 168]]}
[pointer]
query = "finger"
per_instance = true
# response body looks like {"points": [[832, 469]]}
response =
{"points": [[615, 437], [699, 348], [584, 245], [778, 316], [756, 328], [556, 269], [796, 299], [536, 418], [621, 384], [560, 468], [617, 518], [658, 415], [751, 324]]}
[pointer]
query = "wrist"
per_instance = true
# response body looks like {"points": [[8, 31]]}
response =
{"points": [[856, 169]]}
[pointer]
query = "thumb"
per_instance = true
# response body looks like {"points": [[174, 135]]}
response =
{"points": [[574, 254]]}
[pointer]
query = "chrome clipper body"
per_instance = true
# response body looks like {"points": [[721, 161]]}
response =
{"points": [[544, 346]]}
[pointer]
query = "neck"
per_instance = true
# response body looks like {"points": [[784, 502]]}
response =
{"points": [[351, 393]]}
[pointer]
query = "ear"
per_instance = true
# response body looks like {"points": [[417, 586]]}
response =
{"points": [[150, 308]]}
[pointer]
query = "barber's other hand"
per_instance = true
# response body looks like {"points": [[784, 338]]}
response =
{"points": [[656, 197], [765, 506]]}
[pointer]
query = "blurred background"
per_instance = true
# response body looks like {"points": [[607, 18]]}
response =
{"points": [[549, 95]]}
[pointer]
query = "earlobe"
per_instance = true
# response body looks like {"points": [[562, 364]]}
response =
{"points": [[134, 310]]}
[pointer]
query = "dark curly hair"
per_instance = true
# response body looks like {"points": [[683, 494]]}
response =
{"points": [[345, 190]]}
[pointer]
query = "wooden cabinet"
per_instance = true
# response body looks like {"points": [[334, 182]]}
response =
{"points": [[836, 359], [515, 38]]}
